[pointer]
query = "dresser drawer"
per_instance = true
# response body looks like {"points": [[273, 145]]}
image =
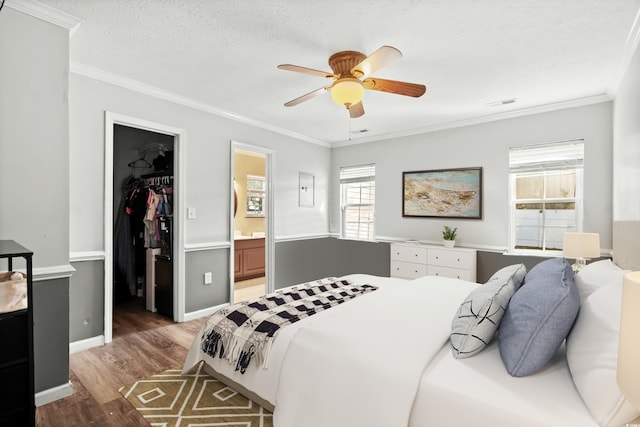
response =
{"points": [[454, 273], [14, 393], [14, 332], [451, 258], [407, 270], [415, 254]]}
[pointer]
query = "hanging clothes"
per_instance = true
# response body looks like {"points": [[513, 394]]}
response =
{"points": [[144, 202]]}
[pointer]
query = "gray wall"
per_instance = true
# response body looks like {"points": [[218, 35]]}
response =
{"points": [[626, 147], [51, 333], [208, 150], [34, 175], [303, 260], [86, 300], [34, 136], [198, 295], [486, 145]]}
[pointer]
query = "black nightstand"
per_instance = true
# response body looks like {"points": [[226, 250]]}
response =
{"points": [[17, 397]]}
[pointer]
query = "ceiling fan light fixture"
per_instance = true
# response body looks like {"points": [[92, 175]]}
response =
{"points": [[347, 91]]}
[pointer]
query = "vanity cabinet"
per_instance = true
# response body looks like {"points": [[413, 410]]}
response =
{"points": [[412, 260], [17, 398], [249, 258]]}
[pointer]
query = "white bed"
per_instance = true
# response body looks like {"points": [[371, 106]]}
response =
{"points": [[321, 373]]}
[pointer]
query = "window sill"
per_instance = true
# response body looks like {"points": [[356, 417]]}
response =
{"points": [[530, 252]]}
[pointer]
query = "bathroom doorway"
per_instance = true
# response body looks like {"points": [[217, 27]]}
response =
{"points": [[251, 221]]}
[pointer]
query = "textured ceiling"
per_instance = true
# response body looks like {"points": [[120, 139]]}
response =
{"points": [[223, 54]]}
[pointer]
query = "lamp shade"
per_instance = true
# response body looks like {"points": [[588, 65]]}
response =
{"points": [[629, 346], [347, 91], [581, 245]]}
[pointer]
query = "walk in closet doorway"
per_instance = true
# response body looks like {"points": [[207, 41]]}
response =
{"points": [[144, 260], [251, 221]]}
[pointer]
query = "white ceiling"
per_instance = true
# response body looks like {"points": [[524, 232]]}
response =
{"points": [[221, 55]]}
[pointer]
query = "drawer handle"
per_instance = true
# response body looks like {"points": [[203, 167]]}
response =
{"points": [[458, 259], [437, 257]]}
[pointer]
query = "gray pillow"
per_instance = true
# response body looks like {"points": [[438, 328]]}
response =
{"points": [[478, 317], [539, 317]]}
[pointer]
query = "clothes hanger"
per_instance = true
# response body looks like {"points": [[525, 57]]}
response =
{"points": [[145, 164]]}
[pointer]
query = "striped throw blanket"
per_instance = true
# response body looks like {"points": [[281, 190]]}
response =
{"points": [[245, 331]]}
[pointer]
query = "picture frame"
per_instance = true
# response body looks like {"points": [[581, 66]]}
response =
{"points": [[443, 193]]}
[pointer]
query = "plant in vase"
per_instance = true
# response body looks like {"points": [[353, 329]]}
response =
{"points": [[449, 236]]}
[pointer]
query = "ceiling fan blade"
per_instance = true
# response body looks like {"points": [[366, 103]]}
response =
{"points": [[305, 97], [378, 59], [356, 110], [393, 86], [304, 70]]}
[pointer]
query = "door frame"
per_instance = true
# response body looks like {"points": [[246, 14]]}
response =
{"points": [[269, 159], [179, 147]]}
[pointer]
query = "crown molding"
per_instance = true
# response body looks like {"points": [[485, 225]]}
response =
{"points": [[136, 86], [45, 13], [630, 49], [572, 103]]}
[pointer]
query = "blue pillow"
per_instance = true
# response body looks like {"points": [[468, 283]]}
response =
{"points": [[538, 317]]}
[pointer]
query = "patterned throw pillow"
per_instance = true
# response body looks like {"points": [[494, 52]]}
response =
{"points": [[539, 317], [480, 314]]}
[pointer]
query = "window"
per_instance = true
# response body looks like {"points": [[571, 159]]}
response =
{"points": [[545, 194], [256, 190], [357, 205]]}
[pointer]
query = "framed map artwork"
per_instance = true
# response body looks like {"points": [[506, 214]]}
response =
{"points": [[443, 193]]}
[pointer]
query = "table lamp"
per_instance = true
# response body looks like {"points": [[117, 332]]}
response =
{"points": [[628, 375], [581, 246]]}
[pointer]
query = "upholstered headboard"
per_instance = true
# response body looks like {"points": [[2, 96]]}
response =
{"points": [[626, 244]]}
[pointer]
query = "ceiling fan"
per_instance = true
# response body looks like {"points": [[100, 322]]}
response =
{"points": [[349, 69]]}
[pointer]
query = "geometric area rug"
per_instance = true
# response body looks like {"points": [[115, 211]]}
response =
{"points": [[170, 399]]}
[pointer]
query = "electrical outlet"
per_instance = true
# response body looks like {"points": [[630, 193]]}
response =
{"points": [[208, 278]]}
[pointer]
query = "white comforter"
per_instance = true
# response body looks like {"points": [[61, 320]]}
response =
{"points": [[357, 364], [383, 359], [361, 363]]}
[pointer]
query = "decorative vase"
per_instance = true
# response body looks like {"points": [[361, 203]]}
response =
{"points": [[449, 243]]}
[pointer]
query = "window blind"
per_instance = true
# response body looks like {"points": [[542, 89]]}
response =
{"points": [[360, 173], [547, 157], [357, 185]]}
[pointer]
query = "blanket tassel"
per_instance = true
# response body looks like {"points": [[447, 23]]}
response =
{"points": [[210, 344], [244, 359]]}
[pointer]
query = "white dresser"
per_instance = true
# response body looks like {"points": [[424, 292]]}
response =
{"points": [[411, 260]]}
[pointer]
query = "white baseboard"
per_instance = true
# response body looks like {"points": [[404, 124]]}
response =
{"points": [[202, 313], [86, 344], [50, 395]]}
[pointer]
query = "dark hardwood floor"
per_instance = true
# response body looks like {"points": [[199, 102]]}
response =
{"points": [[144, 344]]}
